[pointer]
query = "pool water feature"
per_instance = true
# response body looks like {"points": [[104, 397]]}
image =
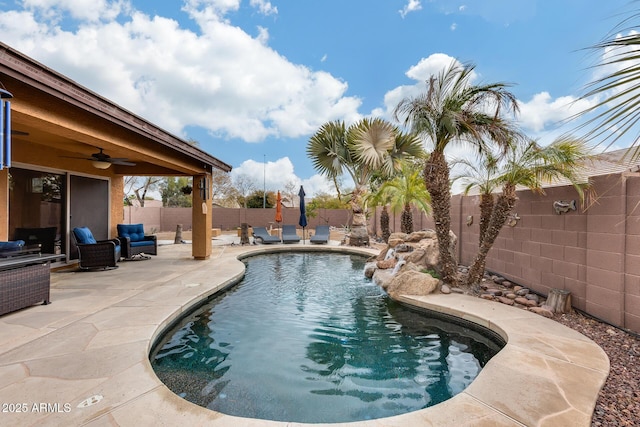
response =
{"points": [[304, 337]]}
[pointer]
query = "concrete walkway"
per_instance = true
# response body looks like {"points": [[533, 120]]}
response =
{"points": [[83, 360]]}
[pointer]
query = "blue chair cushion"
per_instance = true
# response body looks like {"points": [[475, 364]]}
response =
{"points": [[11, 245], [84, 235], [143, 243], [135, 232]]}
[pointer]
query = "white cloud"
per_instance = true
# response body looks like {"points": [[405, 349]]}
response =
{"points": [[411, 6], [88, 10], [542, 111], [276, 175], [221, 78], [453, 27], [265, 7]]}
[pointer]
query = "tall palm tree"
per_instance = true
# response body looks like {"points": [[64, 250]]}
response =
{"points": [[454, 111], [366, 147], [405, 190], [529, 165]]}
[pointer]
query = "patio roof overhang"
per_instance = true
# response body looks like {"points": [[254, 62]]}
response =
{"points": [[52, 113]]}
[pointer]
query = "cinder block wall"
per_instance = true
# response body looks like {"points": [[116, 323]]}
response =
{"points": [[166, 219], [594, 252]]}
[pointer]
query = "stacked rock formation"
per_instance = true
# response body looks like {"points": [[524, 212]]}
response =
{"points": [[402, 267]]}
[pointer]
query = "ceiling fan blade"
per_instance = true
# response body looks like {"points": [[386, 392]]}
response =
{"points": [[121, 162]]}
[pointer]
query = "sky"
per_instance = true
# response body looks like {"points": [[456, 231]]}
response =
{"points": [[252, 80]]}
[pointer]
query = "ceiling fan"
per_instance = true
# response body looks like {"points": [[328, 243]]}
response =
{"points": [[102, 160]]}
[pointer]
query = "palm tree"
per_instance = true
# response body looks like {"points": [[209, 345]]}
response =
{"points": [[618, 91], [529, 165], [405, 190], [366, 147], [453, 111], [480, 176]]}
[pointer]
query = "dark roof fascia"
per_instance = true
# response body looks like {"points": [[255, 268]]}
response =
{"points": [[37, 75]]}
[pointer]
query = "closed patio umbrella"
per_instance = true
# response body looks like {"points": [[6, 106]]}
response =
{"points": [[279, 209], [303, 212]]}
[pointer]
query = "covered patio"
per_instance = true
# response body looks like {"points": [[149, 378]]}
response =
{"points": [[56, 177]]}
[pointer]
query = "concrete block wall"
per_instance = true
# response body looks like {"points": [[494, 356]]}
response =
{"points": [[594, 252], [166, 219]]}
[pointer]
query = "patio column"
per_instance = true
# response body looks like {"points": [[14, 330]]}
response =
{"points": [[202, 218], [4, 204]]}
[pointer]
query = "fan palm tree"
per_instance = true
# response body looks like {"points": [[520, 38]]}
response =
{"points": [[618, 91], [405, 190], [454, 111], [529, 165], [366, 147]]}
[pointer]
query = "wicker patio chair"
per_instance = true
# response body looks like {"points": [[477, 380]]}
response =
{"points": [[135, 243], [94, 254]]}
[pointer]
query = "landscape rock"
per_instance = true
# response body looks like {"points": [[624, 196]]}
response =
{"points": [[506, 301], [445, 289], [369, 269], [526, 302], [542, 311], [533, 297], [412, 283], [389, 263], [522, 292]]}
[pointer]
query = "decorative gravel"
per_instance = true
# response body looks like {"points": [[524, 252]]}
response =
{"points": [[619, 400]]}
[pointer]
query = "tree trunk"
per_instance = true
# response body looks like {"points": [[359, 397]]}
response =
{"points": [[359, 235], [384, 224], [178, 238], [559, 300], [486, 208], [499, 215], [436, 176], [406, 220]]}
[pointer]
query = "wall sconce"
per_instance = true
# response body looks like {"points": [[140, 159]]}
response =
{"points": [[5, 128], [204, 188], [100, 164]]}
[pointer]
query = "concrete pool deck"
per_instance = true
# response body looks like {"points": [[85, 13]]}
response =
{"points": [[83, 360]]}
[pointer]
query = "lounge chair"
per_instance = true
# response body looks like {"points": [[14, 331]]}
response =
{"points": [[95, 254], [289, 234], [321, 235], [261, 235]]}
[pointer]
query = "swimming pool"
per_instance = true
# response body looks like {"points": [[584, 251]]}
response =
{"points": [[306, 338]]}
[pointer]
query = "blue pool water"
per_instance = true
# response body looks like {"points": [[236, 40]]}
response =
{"points": [[304, 337]]}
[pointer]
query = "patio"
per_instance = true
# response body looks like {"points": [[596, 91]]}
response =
{"points": [[83, 360]]}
